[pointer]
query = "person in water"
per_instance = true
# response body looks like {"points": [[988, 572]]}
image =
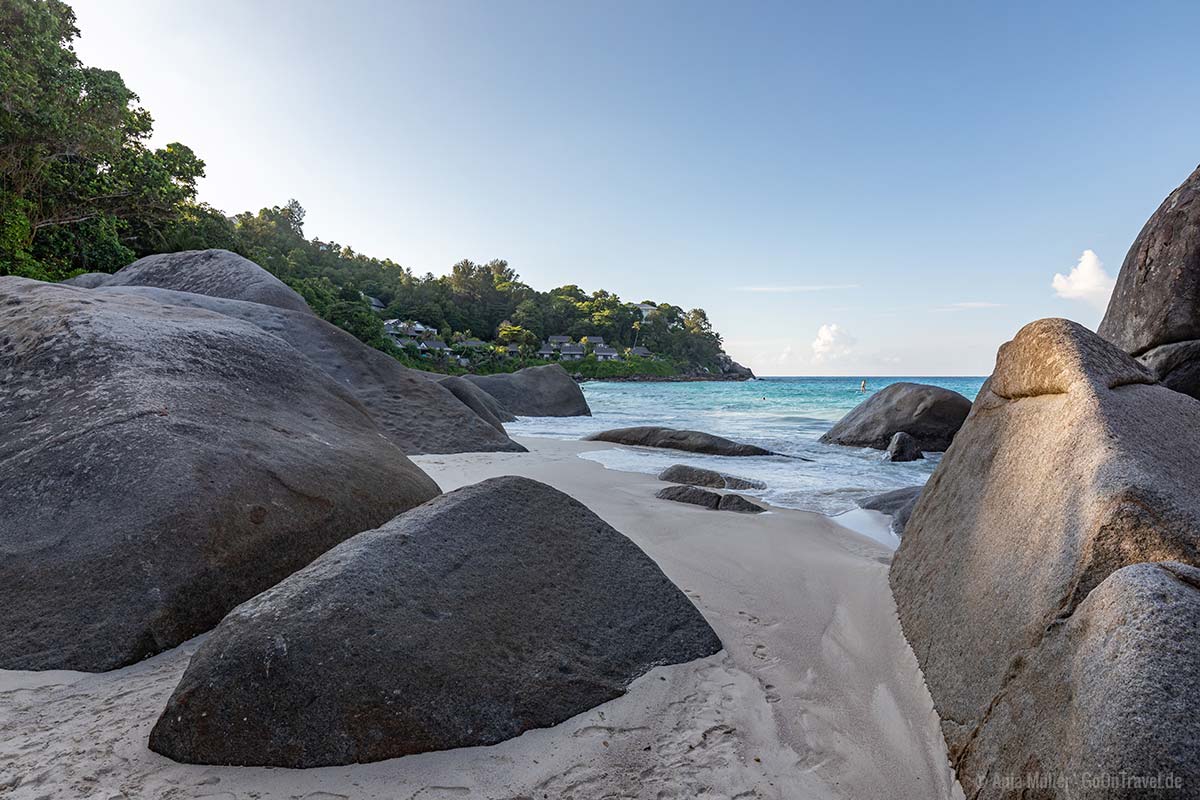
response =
{"points": [[863, 389]]}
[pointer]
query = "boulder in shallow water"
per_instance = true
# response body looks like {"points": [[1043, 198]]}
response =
{"points": [[674, 439], [497, 608], [160, 465], [698, 476], [903, 447], [1154, 310], [545, 391], [693, 495], [417, 414], [216, 273], [929, 414], [1072, 465]]}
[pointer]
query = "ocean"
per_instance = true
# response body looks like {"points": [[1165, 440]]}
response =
{"points": [[785, 415]]}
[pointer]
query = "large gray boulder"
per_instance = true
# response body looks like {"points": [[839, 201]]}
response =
{"points": [[545, 391], [675, 439], [479, 401], [1154, 310], [217, 273], [1072, 465], [929, 414], [418, 415], [497, 608], [897, 504], [698, 476], [160, 465], [1110, 692]]}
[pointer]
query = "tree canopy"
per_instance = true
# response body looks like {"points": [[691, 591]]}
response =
{"points": [[79, 187]]}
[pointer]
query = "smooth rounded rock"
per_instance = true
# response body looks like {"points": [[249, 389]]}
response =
{"points": [[698, 476], [545, 391], [903, 447], [675, 439], [735, 502], [216, 273], [418, 415], [929, 414], [1079, 468], [692, 495], [161, 464], [479, 401], [497, 608]]}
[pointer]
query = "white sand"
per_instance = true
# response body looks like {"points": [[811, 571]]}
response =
{"points": [[816, 695]]}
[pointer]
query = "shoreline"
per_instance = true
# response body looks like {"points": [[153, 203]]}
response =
{"points": [[667, 379], [816, 692]]}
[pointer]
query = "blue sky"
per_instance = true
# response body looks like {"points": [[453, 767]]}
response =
{"points": [[866, 189]]}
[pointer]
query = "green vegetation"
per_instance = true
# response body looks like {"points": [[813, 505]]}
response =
{"points": [[79, 188], [80, 191]]}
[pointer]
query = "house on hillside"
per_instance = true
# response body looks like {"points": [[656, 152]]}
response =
{"points": [[595, 341], [646, 308], [375, 303], [571, 352], [435, 346], [513, 349], [407, 328], [558, 341], [545, 351], [605, 353], [640, 351], [474, 344]]}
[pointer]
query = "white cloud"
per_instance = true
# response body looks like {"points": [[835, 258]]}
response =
{"points": [[814, 287], [832, 343], [1087, 281]]}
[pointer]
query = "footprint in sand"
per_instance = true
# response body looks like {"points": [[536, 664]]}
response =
{"points": [[763, 654]]}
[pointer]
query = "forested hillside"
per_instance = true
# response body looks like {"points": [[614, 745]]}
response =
{"points": [[82, 191]]}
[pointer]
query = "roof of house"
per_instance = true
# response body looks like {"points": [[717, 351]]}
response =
{"points": [[604, 350], [595, 340], [639, 351], [435, 344], [559, 339], [513, 347], [474, 343], [545, 350], [374, 301], [572, 349]]}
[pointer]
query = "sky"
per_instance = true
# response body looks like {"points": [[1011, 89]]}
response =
{"points": [[846, 188]]}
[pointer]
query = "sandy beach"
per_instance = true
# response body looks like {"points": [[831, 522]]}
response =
{"points": [[815, 695]]}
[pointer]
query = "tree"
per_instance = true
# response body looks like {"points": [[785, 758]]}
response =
{"points": [[77, 181], [515, 334]]}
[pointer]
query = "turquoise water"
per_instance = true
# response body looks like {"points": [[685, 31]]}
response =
{"points": [[785, 415]]}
